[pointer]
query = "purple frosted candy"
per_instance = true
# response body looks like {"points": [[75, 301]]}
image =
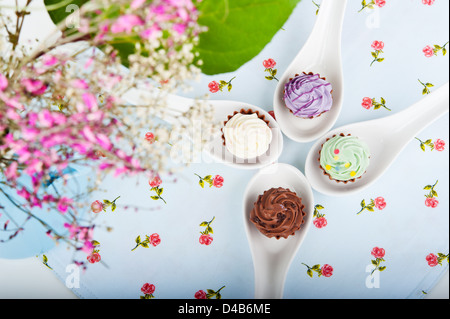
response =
{"points": [[308, 95]]}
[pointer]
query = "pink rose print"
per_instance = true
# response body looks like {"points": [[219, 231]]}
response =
{"points": [[155, 183], [326, 270], [428, 51], [217, 181], [150, 137], [372, 4], [215, 87], [153, 240], [320, 221], [269, 65], [428, 2], [434, 260], [205, 237], [148, 290], [106, 203], [367, 103], [378, 203], [378, 253], [94, 256], [200, 295], [96, 207], [438, 145], [430, 200], [378, 46]]}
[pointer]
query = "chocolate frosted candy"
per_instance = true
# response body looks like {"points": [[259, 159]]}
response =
{"points": [[278, 213]]}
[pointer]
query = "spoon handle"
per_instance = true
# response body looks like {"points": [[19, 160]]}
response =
{"points": [[418, 116], [269, 279], [328, 27]]}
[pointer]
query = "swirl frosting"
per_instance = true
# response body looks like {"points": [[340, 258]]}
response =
{"points": [[308, 95], [344, 158], [247, 136], [278, 213]]}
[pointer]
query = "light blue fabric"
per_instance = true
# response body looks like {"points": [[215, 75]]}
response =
{"points": [[406, 228]]}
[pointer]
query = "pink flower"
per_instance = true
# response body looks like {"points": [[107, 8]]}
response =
{"points": [[378, 45], [327, 270], [367, 103], [3, 82], [205, 239], [431, 202], [200, 295], [155, 181], [428, 51], [35, 87], [432, 260], [380, 203], [96, 206], [148, 289], [155, 240], [439, 145], [428, 2], [378, 252], [380, 3], [150, 137], [64, 204], [269, 64], [126, 23], [94, 258], [214, 87], [217, 181], [320, 222]]}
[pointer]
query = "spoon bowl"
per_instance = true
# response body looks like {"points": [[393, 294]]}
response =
{"points": [[215, 148], [385, 137], [272, 257], [321, 54]]}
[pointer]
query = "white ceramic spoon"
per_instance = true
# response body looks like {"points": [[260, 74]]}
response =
{"points": [[386, 138], [215, 148], [321, 54], [272, 257]]}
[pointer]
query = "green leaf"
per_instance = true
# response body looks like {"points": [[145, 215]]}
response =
{"points": [[270, 78], [209, 229], [154, 197], [204, 224], [315, 267], [383, 101], [382, 268], [113, 207], [207, 178], [107, 202], [428, 187], [159, 191], [210, 291], [144, 244], [363, 203], [95, 243], [62, 8], [230, 87], [434, 193], [201, 183], [425, 91], [370, 208], [310, 273], [238, 31], [429, 85], [138, 239], [374, 54], [319, 207], [444, 51], [380, 60]]}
